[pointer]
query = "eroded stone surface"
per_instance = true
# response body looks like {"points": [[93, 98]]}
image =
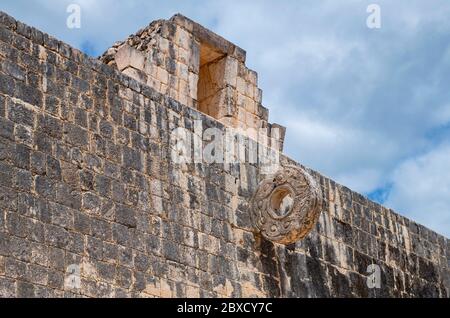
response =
{"points": [[286, 205]]}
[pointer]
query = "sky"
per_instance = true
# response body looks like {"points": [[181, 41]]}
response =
{"points": [[367, 107]]}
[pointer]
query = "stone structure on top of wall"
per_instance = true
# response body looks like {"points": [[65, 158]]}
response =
{"points": [[93, 205], [182, 59]]}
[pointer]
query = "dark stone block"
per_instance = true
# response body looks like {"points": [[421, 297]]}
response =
{"points": [[340, 283], [101, 229], [118, 192], [17, 225], [110, 252], [123, 277], [25, 290], [121, 234], [52, 104], [56, 259], [125, 216], [42, 142], [100, 145], [55, 279], [4, 244], [141, 262], [94, 248], [68, 196], [50, 126], [106, 271], [6, 128], [56, 236], [2, 106], [319, 273], [428, 271], [102, 186], [125, 256], [53, 169], [171, 250], [20, 249], [24, 134], [7, 85], [132, 159], [28, 94], [82, 224], [106, 129], [358, 285], [153, 245], [45, 187], [24, 181], [37, 231], [22, 156], [76, 135], [13, 70], [7, 288], [93, 162], [86, 180]]}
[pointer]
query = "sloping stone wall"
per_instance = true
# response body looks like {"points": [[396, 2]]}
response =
{"points": [[92, 205]]}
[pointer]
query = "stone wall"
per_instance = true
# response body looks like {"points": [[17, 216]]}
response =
{"points": [[92, 205]]}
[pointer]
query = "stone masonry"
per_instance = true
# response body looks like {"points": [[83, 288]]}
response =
{"points": [[91, 204], [199, 69]]}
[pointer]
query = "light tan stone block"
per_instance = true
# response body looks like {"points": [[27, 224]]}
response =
{"points": [[148, 68], [216, 74], [182, 72], [192, 292], [240, 100], [173, 93], [241, 85], [166, 291], [136, 74], [173, 82], [250, 291], [127, 56], [183, 99], [183, 56], [163, 76], [250, 90], [153, 288], [42, 53], [241, 115], [191, 103], [152, 82], [250, 105], [231, 70], [163, 45], [258, 95], [253, 77], [193, 81], [183, 87], [2, 265], [251, 120], [183, 38], [164, 88]]}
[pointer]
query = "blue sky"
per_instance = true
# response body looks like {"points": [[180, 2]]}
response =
{"points": [[369, 108]]}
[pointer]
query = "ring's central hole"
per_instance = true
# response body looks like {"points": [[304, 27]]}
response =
{"points": [[281, 201]]}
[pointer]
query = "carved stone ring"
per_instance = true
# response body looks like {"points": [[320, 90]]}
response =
{"points": [[286, 206]]}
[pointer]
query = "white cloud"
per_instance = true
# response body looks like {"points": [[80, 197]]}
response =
{"points": [[421, 189]]}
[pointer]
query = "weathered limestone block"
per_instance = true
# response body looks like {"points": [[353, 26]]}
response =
{"points": [[128, 56]]}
